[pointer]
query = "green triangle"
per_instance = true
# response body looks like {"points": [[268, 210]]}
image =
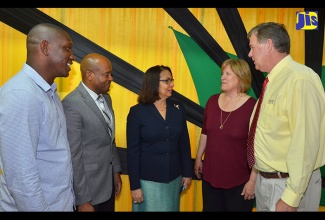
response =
{"points": [[206, 74]]}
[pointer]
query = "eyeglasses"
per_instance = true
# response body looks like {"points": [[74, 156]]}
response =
{"points": [[167, 81]]}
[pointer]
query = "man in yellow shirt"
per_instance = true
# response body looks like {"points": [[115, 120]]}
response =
{"points": [[289, 139]]}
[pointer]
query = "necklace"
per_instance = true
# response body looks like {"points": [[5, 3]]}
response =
{"points": [[222, 124], [161, 108]]}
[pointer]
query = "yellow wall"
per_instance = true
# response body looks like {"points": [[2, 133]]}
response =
{"points": [[141, 37]]}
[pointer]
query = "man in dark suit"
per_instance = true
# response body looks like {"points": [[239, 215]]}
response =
{"points": [[91, 134]]}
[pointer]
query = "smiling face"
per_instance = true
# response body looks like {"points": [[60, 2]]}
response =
{"points": [[60, 54], [96, 71], [229, 80], [102, 76], [49, 51], [165, 87]]}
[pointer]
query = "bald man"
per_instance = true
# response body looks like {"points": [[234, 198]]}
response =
{"points": [[35, 160], [91, 134]]}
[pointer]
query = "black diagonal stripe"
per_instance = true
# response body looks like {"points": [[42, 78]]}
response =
{"points": [[126, 75]]}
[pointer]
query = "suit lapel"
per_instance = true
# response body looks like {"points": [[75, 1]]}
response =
{"points": [[153, 110], [170, 111], [92, 105]]}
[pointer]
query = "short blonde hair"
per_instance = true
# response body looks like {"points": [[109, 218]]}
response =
{"points": [[242, 70]]}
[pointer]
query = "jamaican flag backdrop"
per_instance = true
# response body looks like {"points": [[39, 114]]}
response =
{"points": [[138, 38], [204, 71], [207, 80]]}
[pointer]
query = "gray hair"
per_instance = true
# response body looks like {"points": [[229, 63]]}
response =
{"points": [[276, 32]]}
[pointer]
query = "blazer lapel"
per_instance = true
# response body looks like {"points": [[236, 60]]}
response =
{"points": [[171, 108], [92, 105], [153, 110]]}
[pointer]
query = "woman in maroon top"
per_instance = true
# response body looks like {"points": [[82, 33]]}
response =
{"points": [[225, 174]]}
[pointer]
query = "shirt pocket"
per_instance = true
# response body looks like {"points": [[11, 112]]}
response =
{"points": [[91, 167], [267, 118]]}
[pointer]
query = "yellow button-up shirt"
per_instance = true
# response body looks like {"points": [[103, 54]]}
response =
{"points": [[290, 133]]}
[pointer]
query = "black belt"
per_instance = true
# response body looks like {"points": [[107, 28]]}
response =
{"points": [[274, 175]]}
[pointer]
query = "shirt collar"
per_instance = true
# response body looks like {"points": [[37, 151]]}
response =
{"points": [[91, 92], [277, 68]]}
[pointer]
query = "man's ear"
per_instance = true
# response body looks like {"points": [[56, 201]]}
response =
{"points": [[44, 47]]}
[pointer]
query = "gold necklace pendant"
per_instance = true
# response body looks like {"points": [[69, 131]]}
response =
{"points": [[222, 124]]}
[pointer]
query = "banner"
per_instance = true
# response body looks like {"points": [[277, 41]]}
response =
{"points": [[206, 74]]}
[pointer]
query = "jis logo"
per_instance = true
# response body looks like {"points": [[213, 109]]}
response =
{"points": [[307, 20]]}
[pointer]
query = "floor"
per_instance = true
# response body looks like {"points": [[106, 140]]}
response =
{"points": [[321, 209]]}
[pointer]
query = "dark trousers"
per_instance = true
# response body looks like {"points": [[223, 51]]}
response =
{"points": [[109, 205], [224, 200]]}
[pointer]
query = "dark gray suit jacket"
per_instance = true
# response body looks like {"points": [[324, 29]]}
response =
{"points": [[93, 150]]}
